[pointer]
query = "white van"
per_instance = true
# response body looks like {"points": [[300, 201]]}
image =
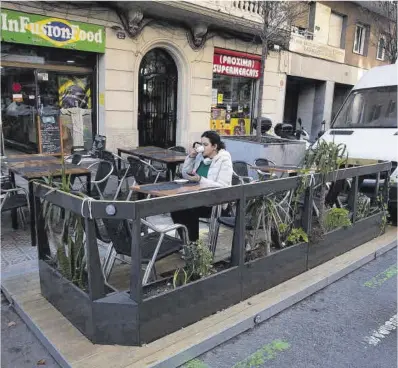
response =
{"points": [[367, 123]]}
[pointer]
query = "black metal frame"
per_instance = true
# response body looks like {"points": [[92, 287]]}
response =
{"points": [[127, 318]]}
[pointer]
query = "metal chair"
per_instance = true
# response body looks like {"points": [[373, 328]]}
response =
{"points": [[143, 172], [102, 175], [154, 246], [123, 174], [241, 173], [264, 162], [13, 199]]}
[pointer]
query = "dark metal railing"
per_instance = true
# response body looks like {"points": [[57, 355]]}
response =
{"points": [[135, 210]]}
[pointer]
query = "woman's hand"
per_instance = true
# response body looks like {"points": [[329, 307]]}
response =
{"points": [[194, 178], [193, 153]]}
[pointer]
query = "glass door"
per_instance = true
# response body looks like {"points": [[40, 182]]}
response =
{"points": [[18, 107]]}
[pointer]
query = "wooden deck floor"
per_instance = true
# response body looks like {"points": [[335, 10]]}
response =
{"points": [[72, 349]]}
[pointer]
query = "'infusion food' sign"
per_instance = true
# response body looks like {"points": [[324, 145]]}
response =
{"points": [[39, 30], [236, 64]]}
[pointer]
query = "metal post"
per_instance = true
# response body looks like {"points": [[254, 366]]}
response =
{"points": [[43, 247], [136, 273], [307, 215], [377, 187], [353, 198], [96, 280], [238, 242]]}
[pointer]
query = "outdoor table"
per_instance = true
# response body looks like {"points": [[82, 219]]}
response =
{"points": [[290, 170], [170, 188], [36, 166], [152, 153]]}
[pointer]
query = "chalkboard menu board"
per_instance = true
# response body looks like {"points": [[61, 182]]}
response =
{"points": [[99, 144], [50, 141]]}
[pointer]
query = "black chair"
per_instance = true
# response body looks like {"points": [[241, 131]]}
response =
{"points": [[178, 149], [241, 173], [143, 172], [13, 198], [102, 175], [121, 174], [264, 162], [154, 246]]}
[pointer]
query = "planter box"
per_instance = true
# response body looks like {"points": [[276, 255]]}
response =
{"points": [[264, 273], [340, 241], [281, 151], [110, 320], [172, 310]]}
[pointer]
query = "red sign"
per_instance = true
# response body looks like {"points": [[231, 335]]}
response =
{"points": [[237, 64]]}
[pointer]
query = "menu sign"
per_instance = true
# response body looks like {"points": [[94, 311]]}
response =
{"points": [[236, 63], [49, 134]]}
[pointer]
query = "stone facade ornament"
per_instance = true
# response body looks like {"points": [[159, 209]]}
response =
{"points": [[197, 36]]}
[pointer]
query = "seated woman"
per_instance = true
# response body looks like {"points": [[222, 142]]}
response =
{"points": [[207, 163]]}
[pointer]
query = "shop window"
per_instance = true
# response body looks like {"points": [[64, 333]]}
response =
{"points": [[27, 94], [381, 48], [232, 104], [18, 108], [359, 39]]}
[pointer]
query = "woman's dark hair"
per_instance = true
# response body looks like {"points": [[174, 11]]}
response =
{"points": [[214, 139]]}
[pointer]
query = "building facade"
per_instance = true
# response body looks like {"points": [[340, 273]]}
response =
{"points": [[160, 73]]}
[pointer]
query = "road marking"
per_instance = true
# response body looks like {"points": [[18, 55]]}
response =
{"points": [[382, 331], [267, 352], [382, 277]]}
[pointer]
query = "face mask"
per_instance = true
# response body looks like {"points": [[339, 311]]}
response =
{"points": [[207, 161]]}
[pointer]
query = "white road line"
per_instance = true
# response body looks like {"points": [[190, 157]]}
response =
{"points": [[382, 331]]}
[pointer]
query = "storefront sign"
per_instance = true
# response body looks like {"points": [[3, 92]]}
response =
{"points": [[32, 29], [236, 64], [315, 49]]}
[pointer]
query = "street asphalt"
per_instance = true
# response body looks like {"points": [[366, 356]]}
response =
{"points": [[350, 324], [19, 346]]}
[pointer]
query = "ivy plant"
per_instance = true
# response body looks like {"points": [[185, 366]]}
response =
{"points": [[336, 218]]}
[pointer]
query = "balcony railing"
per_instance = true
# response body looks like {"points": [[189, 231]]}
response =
{"points": [[249, 10], [302, 32]]}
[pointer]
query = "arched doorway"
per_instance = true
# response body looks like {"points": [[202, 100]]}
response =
{"points": [[157, 99]]}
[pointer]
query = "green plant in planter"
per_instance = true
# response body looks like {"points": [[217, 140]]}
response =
{"points": [[198, 259], [323, 159], [363, 206], [272, 214], [296, 236], [336, 218], [381, 206], [66, 230], [198, 263]]}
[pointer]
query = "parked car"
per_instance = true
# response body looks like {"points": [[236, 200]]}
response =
{"points": [[367, 124]]}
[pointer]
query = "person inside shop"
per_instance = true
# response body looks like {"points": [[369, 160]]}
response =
{"points": [[209, 163]]}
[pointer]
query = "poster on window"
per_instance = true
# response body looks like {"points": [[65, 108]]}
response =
{"points": [[76, 118], [233, 127]]}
